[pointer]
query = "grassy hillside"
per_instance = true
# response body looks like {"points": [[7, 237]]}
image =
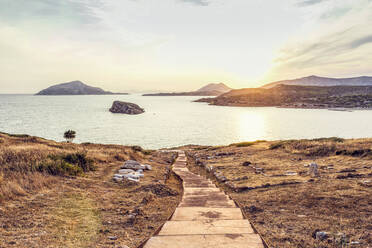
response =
{"points": [[62, 195], [271, 184]]}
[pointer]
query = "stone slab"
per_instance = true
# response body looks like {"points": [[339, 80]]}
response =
{"points": [[201, 213], [206, 227], [201, 190], [206, 241]]}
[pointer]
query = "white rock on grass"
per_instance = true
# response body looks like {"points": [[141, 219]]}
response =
{"points": [[126, 171], [134, 165]]}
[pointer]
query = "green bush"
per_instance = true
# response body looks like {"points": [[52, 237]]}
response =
{"points": [[59, 168], [66, 164]]}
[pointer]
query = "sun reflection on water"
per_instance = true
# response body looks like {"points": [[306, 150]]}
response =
{"points": [[251, 126]]}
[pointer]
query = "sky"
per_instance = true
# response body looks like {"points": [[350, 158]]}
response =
{"points": [[180, 45]]}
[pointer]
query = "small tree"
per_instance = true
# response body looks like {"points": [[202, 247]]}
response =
{"points": [[69, 135]]}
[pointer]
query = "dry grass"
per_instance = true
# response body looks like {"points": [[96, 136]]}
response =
{"points": [[75, 221], [280, 198], [43, 209]]}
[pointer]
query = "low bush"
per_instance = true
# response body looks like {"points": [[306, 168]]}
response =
{"points": [[67, 164], [248, 143]]}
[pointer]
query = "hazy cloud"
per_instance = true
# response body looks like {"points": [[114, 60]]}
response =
{"points": [[197, 2], [338, 42], [361, 41], [309, 2]]}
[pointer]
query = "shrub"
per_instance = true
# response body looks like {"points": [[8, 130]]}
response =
{"points": [[59, 168], [67, 164], [248, 143]]}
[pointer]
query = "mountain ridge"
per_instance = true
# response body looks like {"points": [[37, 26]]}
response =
{"points": [[323, 81]]}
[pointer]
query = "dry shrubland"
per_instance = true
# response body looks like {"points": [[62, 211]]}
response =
{"points": [[270, 181]]}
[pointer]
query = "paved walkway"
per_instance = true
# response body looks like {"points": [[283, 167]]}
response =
{"points": [[206, 217]]}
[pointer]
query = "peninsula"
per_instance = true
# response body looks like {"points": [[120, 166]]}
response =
{"points": [[75, 88], [297, 96]]}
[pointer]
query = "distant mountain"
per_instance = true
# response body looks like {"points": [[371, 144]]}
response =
{"points": [[323, 81], [74, 88], [208, 90], [221, 87]]}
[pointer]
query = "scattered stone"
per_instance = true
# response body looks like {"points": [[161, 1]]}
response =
{"points": [[301, 216], [313, 170], [341, 240], [222, 154], [290, 173], [148, 167], [354, 243], [126, 171], [133, 180], [126, 108], [209, 168], [319, 235], [131, 164], [112, 237], [253, 209], [247, 163]]}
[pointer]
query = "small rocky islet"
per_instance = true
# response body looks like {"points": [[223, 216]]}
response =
{"points": [[119, 107]]}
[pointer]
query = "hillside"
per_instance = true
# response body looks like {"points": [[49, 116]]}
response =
{"points": [[221, 87], [208, 90], [73, 88], [323, 81], [297, 96], [271, 183], [57, 194]]}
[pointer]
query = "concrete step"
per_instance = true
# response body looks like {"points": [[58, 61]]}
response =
{"points": [[201, 190], [205, 213], [206, 241], [206, 227]]}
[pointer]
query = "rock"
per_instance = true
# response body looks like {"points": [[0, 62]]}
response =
{"points": [[126, 171], [131, 164], [259, 170], [117, 179], [321, 235], [290, 173], [133, 180], [341, 240], [126, 108], [253, 209], [247, 163], [147, 167], [112, 237], [313, 170]]}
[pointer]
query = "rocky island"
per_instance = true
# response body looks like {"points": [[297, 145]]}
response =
{"points": [[128, 108], [214, 89], [75, 88]]}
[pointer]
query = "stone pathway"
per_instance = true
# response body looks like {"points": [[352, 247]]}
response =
{"points": [[206, 217]]}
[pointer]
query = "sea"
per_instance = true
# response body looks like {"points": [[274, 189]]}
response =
{"points": [[171, 121]]}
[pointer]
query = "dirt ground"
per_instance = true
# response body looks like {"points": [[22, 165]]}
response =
{"points": [[287, 206], [88, 210]]}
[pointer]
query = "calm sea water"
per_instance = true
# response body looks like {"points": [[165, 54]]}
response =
{"points": [[171, 121]]}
